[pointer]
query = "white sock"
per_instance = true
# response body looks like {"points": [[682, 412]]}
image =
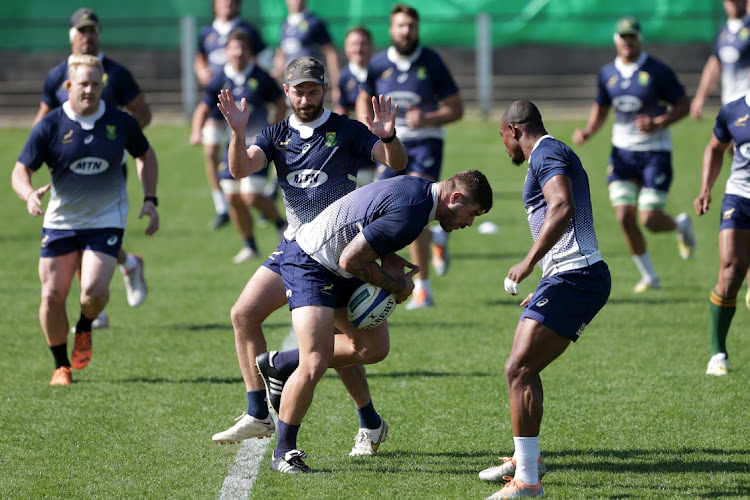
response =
{"points": [[129, 263], [681, 223], [644, 265], [527, 459], [220, 202], [420, 284]]}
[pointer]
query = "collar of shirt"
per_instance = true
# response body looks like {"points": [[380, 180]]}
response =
{"points": [[86, 122], [238, 77], [306, 129], [223, 28], [295, 18], [359, 73], [734, 25], [435, 190], [628, 69], [403, 63]]}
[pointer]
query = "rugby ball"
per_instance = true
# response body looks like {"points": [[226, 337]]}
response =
{"points": [[369, 306]]}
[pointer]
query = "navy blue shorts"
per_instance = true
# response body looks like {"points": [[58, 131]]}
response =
{"points": [[57, 242], [568, 301], [652, 169], [309, 283], [273, 262], [735, 212], [425, 158]]}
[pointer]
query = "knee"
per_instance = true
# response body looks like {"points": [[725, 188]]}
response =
{"points": [[313, 366], [375, 353], [95, 296], [650, 221], [731, 277], [242, 319], [209, 152], [52, 298], [515, 371], [625, 217]]}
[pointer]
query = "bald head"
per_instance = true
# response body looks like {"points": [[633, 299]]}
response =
{"points": [[524, 113]]}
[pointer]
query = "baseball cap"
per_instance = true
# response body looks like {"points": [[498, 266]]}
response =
{"points": [[84, 17], [298, 75], [628, 26]]}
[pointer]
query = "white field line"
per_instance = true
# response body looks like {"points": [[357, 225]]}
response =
{"points": [[242, 474]]}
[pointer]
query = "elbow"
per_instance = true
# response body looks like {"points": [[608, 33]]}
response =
{"points": [[401, 163], [346, 263], [567, 210], [460, 112], [146, 118]]}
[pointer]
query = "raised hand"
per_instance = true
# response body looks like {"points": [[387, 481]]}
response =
{"points": [[235, 116], [383, 122]]}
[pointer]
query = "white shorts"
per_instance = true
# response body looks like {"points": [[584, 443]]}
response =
{"points": [[252, 184], [213, 133]]}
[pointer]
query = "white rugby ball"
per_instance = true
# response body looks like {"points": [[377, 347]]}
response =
{"points": [[369, 306]]}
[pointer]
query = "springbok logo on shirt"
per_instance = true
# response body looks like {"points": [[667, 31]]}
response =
{"points": [[742, 121]]}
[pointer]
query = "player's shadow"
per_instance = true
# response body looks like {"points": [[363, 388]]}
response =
{"points": [[214, 326], [651, 299], [639, 461], [420, 374], [165, 380]]}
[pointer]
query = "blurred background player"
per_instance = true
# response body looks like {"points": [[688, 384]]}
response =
{"points": [[729, 63], [248, 81], [316, 154], [417, 79], [639, 87], [82, 142], [120, 90], [734, 228], [358, 49], [210, 60], [305, 34]]}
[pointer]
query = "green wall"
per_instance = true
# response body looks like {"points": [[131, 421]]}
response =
{"points": [[42, 25]]}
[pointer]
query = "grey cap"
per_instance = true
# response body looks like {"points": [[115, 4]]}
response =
{"points": [[299, 75], [628, 26], [84, 17]]}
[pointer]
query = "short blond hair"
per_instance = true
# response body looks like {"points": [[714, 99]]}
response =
{"points": [[84, 60]]}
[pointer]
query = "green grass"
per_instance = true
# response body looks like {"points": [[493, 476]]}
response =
{"points": [[629, 411]]}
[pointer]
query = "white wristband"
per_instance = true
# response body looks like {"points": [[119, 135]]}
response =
{"points": [[511, 286]]}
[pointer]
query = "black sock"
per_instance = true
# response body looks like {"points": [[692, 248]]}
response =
{"points": [[60, 353], [84, 324]]}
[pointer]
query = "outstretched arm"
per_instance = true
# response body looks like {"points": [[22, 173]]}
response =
{"points": [[597, 117]]}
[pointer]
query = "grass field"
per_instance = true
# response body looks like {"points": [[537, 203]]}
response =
{"points": [[629, 410]]}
